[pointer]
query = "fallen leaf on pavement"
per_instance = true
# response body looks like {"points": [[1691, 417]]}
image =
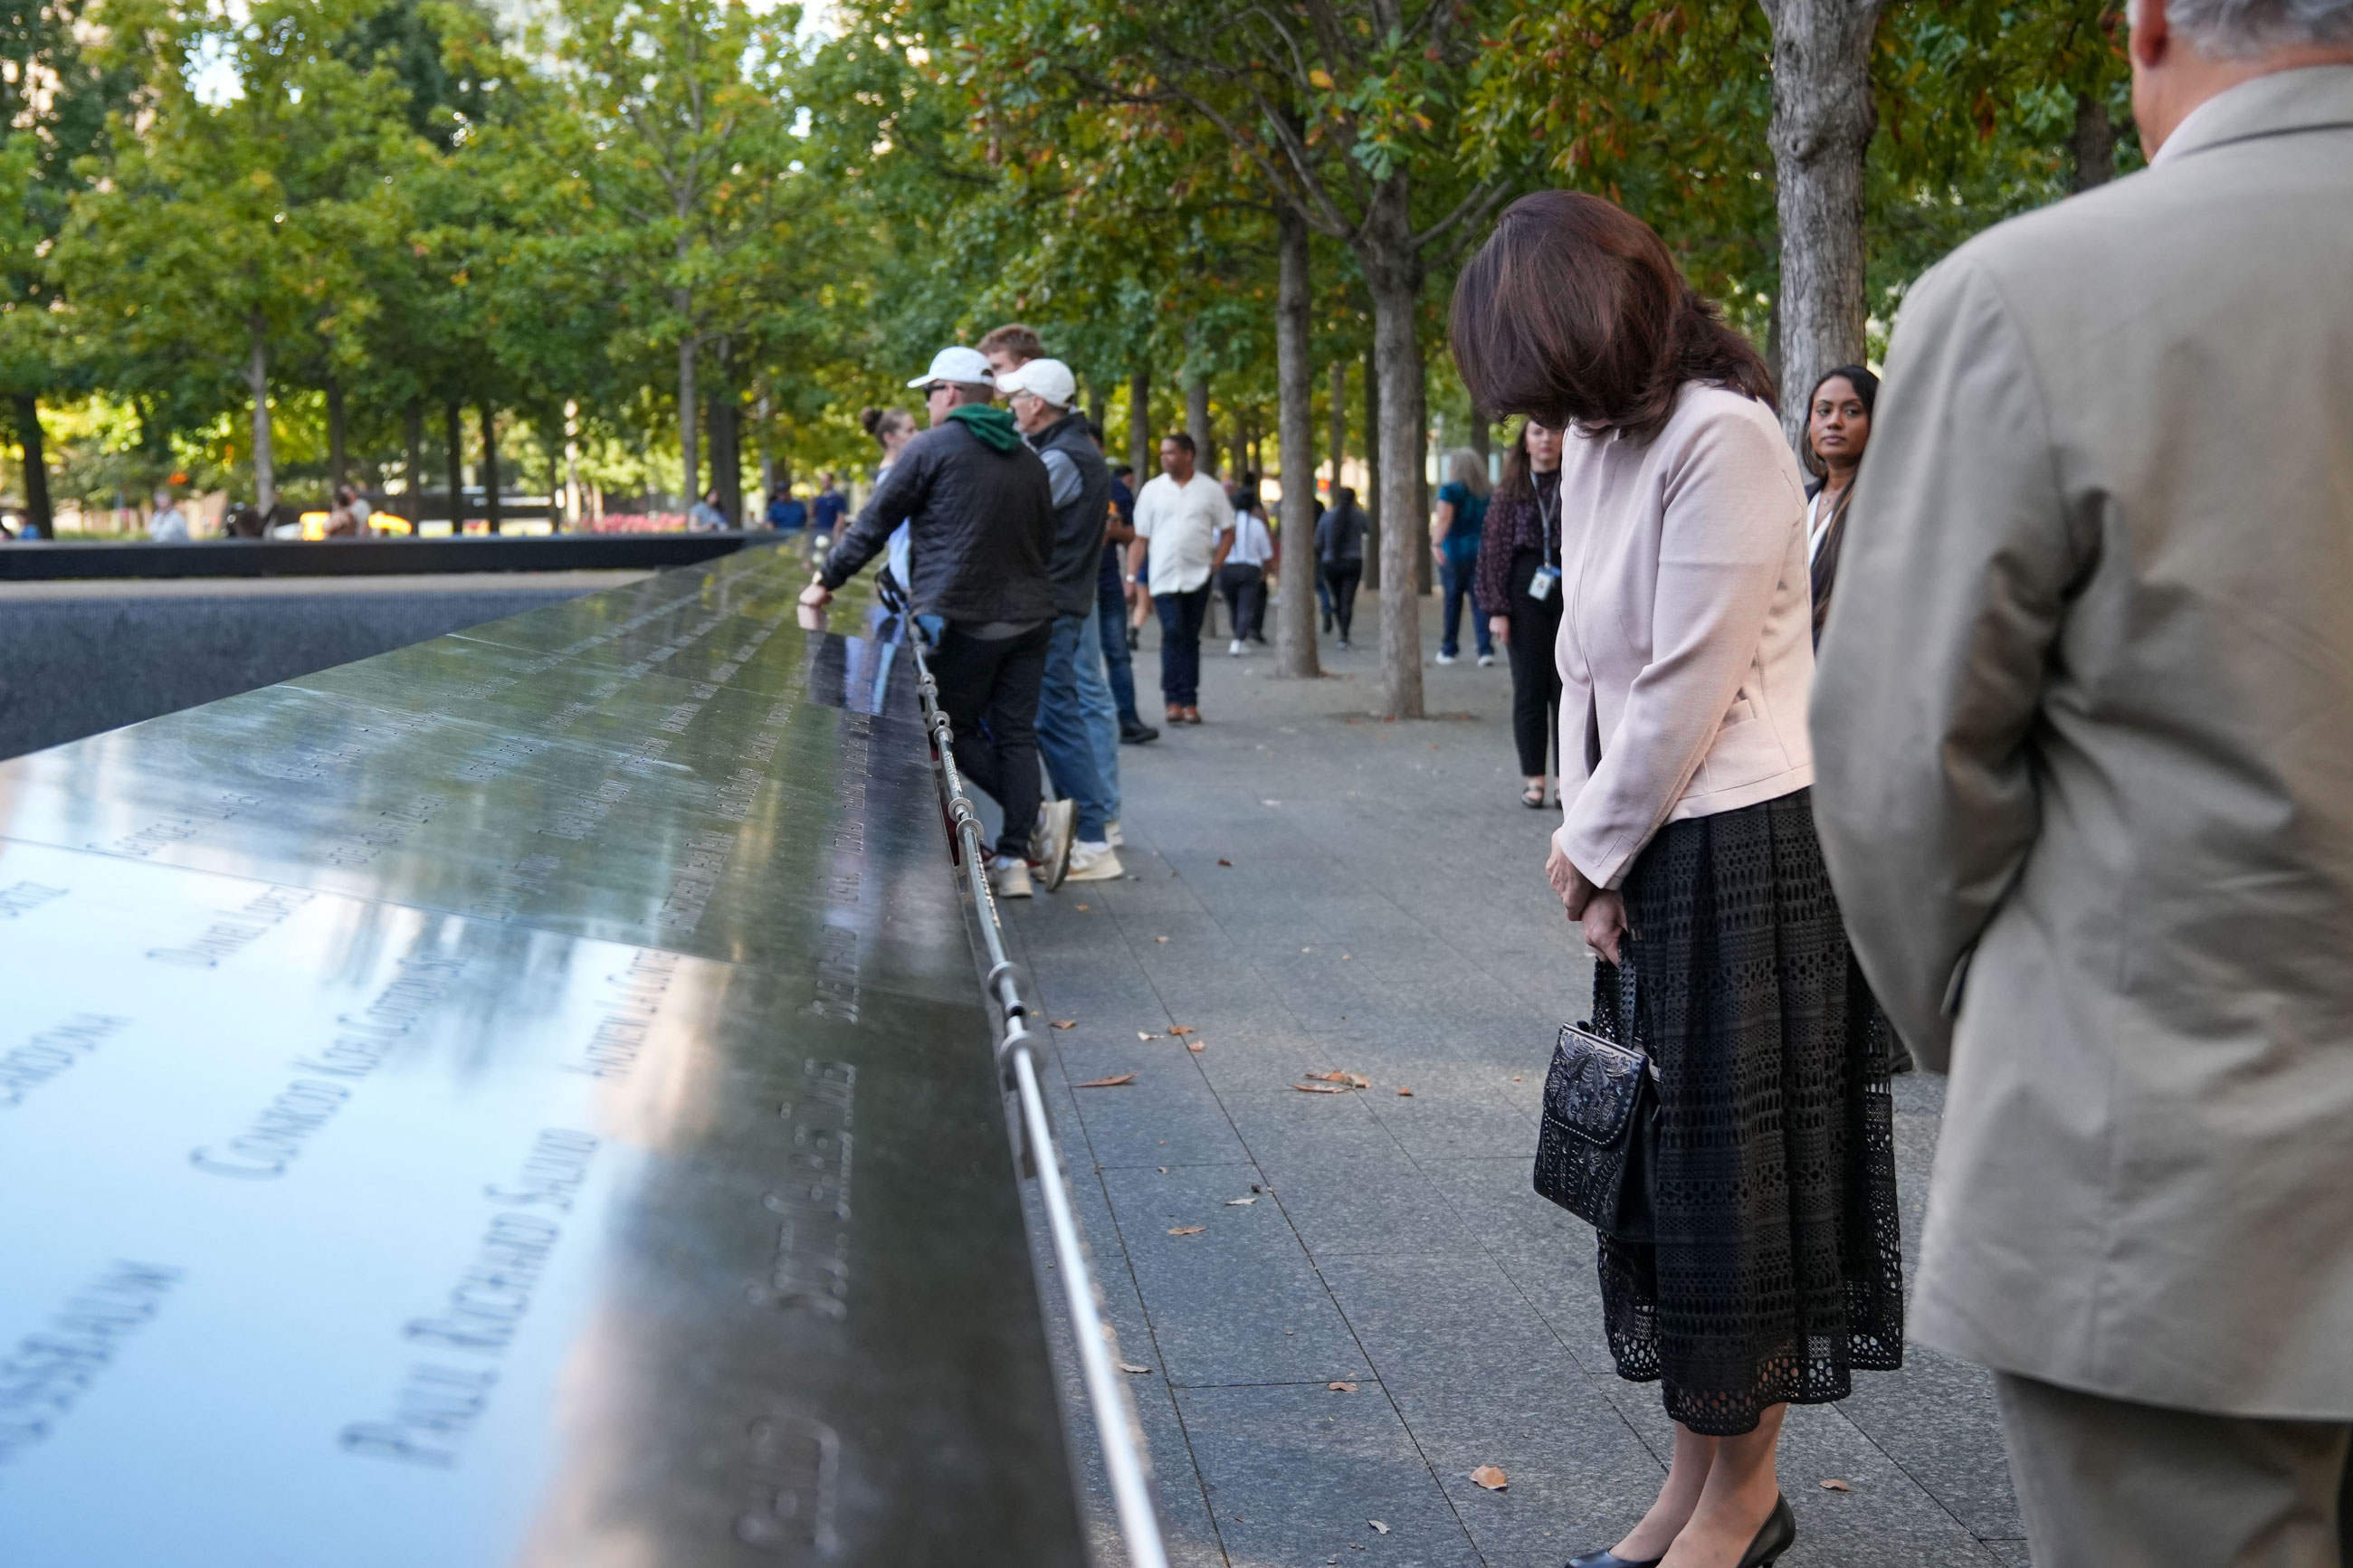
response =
{"points": [[1341, 1387], [1066, 1023], [1106, 1082], [1488, 1476], [1131, 1367], [1160, 939], [1239, 1203], [1404, 1093], [1182, 1030], [1188, 1230], [1318, 1089], [1346, 958], [1082, 909], [1376, 1525], [1353, 1080], [1225, 862], [1142, 1035], [1835, 1485], [1193, 1044]]}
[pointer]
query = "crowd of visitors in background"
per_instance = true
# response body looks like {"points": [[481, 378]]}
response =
{"points": [[2063, 807]]}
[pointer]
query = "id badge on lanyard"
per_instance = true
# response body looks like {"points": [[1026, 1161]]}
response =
{"points": [[1541, 585]]}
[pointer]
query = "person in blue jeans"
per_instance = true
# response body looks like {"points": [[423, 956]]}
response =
{"points": [[1454, 539], [1111, 607]]}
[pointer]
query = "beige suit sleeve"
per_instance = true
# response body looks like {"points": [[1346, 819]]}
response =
{"points": [[1952, 587]]}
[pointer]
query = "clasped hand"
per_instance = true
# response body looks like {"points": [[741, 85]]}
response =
{"points": [[1599, 911]]}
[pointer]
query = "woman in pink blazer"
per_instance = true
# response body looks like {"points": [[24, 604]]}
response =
{"points": [[1686, 850]]}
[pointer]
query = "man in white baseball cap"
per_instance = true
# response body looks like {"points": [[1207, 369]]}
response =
{"points": [[980, 520]]}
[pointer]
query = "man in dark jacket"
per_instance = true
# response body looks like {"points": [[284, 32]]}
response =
{"points": [[980, 520], [1078, 724]]}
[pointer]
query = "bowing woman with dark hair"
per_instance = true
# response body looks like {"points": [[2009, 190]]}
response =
{"points": [[1687, 853], [1837, 430]]}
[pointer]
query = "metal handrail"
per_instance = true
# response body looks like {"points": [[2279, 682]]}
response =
{"points": [[1126, 1461]]}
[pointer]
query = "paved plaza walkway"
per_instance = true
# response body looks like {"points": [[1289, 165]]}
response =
{"points": [[1341, 1304]]}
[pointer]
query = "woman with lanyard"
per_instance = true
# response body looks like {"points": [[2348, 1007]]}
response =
{"points": [[1519, 570]]}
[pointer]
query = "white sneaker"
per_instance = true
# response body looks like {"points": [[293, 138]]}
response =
{"points": [[1094, 863], [1446, 659], [1485, 660], [1113, 836], [1234, 649], [1050, 841], [1009, 878]]}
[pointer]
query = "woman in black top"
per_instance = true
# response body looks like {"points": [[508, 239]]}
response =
{"points": [[1837, 430], [1519, 568]]}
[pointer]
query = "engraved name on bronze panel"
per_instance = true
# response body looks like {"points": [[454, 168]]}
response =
{"points": [[440, 1402], [792, 1474], [24, 897], [811, 1269], [47, 1371], [276, 1137], [52, 1053], [391, 827], [697, 878], [235, 929], [174, 829], [620, 1034]]}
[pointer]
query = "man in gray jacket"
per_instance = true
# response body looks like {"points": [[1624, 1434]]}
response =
{"points": [[1078, 728], [2083, 734], [980, 521]]}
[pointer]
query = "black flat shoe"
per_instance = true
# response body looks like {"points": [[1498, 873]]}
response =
{"points": [[1775, 1536], [1611, 1560]]}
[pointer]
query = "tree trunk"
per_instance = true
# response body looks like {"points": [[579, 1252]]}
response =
{"points": [[1393, 272], [726, 458], [412, 432], [40, 516], [1139, 426], [338, 459], [2094, 143], [1197, 420], [573, 509], [256, 382], [1097, 407], [453, 432], [1823, 118], [1294, 378], [689, 455], [1339, 442], [1371, 498], [767, 449], [490, 464]]}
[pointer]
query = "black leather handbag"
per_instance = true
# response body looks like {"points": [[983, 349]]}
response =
{"points": [[1597, 1143]]}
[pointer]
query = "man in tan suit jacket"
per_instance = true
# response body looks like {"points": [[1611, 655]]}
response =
{"points": [[2083, 732]]}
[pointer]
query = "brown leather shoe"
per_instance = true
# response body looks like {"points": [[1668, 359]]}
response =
{"points": [[1192, 715]]}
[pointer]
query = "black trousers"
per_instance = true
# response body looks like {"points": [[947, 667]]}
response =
{"points": [[1341, 578], [1244, 588], [989, 688], [1535, 677], [1181, 615]]}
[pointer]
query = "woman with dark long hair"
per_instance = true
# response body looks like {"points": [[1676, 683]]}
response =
{"points": [[1838, 432], [1687, 853], [1519, 582]]}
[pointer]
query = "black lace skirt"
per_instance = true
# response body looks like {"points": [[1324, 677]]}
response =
{"points": [[1776, 1271]]}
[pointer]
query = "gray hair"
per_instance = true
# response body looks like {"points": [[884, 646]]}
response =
{"points": [[1469, 469], [2237, 29]]}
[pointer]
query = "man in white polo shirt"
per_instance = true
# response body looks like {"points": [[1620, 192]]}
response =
{"points": [[1184, 519]]}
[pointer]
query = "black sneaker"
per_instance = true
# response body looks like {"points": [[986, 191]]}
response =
{"points": [[1141, 735]]}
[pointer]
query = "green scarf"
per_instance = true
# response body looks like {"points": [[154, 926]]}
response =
{"points": [[991, 427]]}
